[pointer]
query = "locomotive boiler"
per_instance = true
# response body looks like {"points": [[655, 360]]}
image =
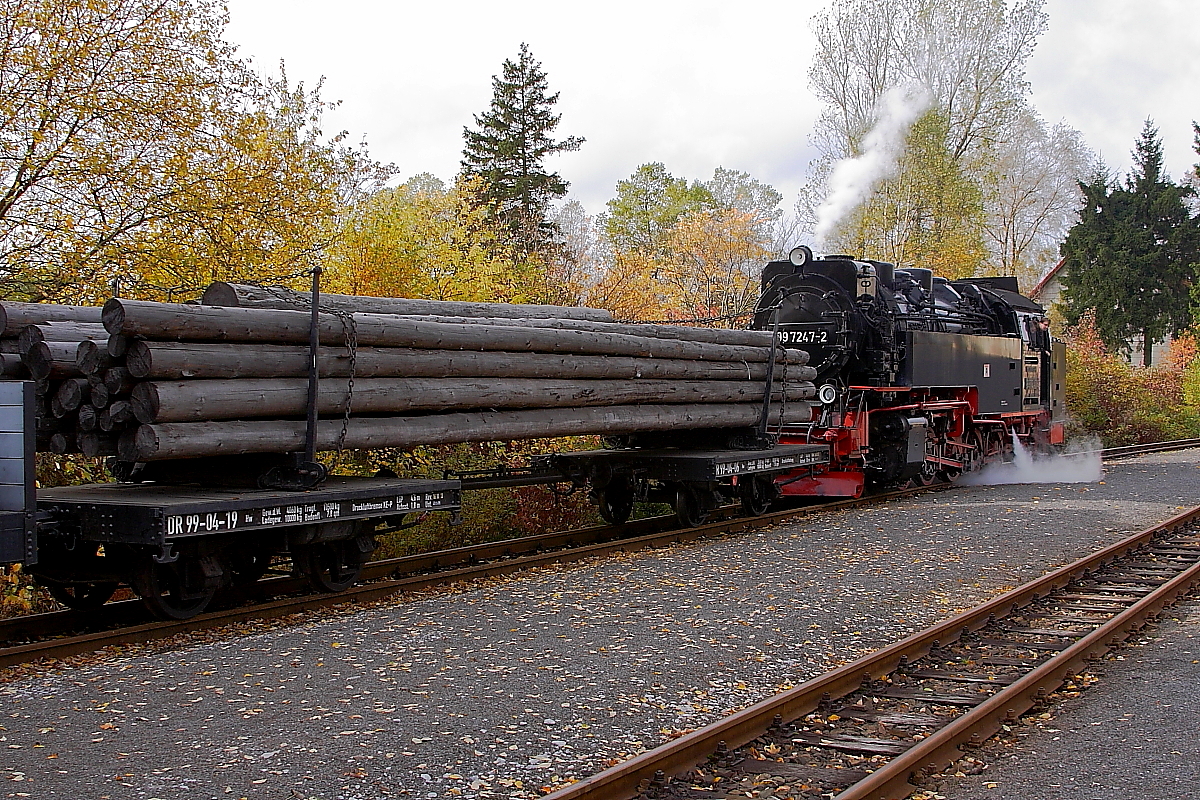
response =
{"points": [[920, 377]]}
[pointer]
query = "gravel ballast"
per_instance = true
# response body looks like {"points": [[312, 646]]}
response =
{"points": [[502, 687]]}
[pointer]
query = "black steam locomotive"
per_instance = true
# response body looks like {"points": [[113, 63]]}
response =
{"points": [[919, 376]]}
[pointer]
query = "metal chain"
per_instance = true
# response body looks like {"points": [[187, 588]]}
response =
{"points": [[725, 318], [350, 338]]}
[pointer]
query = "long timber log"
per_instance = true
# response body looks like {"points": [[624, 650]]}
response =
{"points": [[239, 295], [209, 323], [198, 401], [15, 316], [59, 332], [176, 360], [198, 439], [52, 360], [682, 331]]}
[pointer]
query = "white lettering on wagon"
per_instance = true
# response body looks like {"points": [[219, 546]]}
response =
{"points": [[375, 505]]}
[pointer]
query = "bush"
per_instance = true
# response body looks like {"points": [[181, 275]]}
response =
{"points": [[1124, 404]]}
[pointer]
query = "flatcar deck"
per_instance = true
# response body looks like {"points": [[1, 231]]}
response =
{"points": [[695, 465], [145, 512]]}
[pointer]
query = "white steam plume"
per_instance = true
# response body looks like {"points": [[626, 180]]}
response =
{"points": [[853, 179], [1077, 465]]}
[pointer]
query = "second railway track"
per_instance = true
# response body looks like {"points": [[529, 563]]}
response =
{"points": [[874, 728]]}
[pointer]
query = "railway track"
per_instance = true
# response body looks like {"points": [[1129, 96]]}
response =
{"points": [[410, 573], [873, 728], [62, 634]]}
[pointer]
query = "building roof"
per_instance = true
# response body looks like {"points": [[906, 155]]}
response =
{"points": [[1036, 291]]}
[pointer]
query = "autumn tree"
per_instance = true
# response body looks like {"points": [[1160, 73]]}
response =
{"points": [[687, 250], [134, 144], [1132, 258], [1031, 194], [967, 59], [969, 55], [647, 206], [422, 239], [507, 150], [929, 213]]}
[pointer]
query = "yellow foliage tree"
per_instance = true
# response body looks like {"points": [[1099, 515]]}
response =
{"points": [[714, 262], [930, 214], [133, 144], [423, 240]]}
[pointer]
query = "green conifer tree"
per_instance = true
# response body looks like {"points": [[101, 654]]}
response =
{"points": [[507, 150], [1132, 258]]}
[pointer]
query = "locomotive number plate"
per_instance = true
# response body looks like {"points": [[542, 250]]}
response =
{"points": [[811, 336]]}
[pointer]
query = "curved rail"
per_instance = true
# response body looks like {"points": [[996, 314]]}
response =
{"points": [[941, 748]]}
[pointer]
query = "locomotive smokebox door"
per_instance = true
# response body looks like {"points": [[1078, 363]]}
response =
{"points": [[18, 534]]}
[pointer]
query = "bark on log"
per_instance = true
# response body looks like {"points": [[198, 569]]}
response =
{"points": [[681, 331], [198, 401], [10, 346], [55, 360], [239, 295], [175, 360], [196, 439], [209, 323], [59, 332], [15, 316]]}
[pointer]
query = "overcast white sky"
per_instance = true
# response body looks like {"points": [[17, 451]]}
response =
{"points": [[691, 83]]}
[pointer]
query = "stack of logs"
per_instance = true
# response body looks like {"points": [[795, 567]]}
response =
{"points": [[149, 381]]}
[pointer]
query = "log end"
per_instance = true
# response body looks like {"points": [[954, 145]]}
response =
{"points": [[144, 402], [219, 294], [113, 315], [39, 361]]}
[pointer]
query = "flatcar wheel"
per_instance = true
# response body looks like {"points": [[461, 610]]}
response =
{"points": [[81, 596], [756, 493], [615, 502], [179, 590], [687, 507], [333, 566]]}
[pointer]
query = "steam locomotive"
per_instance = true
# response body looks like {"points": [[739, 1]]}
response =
{"points": [[920, 377]]}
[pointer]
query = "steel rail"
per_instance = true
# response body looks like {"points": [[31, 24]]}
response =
{"points": [[741, 727]]}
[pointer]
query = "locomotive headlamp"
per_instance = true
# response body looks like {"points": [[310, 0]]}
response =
{"points": [[827, 394], [800, 256]]}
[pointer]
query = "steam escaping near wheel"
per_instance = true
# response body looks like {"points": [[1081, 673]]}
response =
{"points": [[1079, 464]]}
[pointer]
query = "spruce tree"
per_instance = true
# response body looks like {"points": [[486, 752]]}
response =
{"points": [[507, 150], [1132, 258]]}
